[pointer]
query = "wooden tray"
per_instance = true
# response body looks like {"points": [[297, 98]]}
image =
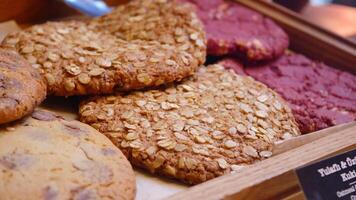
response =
{"points": [[273, 178]]}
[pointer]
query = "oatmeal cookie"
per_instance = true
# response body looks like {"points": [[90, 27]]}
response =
{"points": [[107, 54], [213, 123]]}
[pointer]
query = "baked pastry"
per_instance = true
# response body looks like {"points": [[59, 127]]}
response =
{"points": [[79, 58], [47, 157], [163, 21], [319, 96], [234, 29], [209, 125], [21, 87]]}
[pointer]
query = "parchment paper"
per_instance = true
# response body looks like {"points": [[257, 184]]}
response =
{"points": [[149, 187]]}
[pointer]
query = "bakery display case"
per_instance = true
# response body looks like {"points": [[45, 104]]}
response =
{"points": [[246, 141]]}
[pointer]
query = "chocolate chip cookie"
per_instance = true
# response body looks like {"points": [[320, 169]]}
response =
{"points": [[47, 157], [152, 43], [234, 29], [213, 123], [21, 87]]}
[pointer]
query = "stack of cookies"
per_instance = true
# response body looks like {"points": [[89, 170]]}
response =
{"points": [[152, 100]]}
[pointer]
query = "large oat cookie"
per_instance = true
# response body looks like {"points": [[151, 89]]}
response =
{"points": [[209, 125], [143, 43], [21, 87], [46, 157]]}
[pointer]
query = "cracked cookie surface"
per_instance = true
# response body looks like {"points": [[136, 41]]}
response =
{"points": [[234, 29], [47, 157], [320, 96], [141, 44], [213, 123], [21, 87]]}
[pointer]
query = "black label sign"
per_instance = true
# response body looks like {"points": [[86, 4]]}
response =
{"points": [[330, 179]]}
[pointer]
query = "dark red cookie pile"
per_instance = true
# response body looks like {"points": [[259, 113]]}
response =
{"points": [[237, 30], [320, 96]]}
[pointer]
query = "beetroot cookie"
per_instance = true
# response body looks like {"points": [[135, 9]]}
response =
{"points": [[211, 124], [320, 96], [235, 29], [47, 157], [111, 53], [21, 87]]}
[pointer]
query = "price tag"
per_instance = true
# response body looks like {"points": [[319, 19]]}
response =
{"points": [[331, 179]]}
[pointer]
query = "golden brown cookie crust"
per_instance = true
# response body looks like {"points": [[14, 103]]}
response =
{"points": [[21, 87], [163, 21], [211, 124], [46, 157], [78, 58]]}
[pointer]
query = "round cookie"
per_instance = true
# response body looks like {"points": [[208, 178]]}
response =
{"points": [[320, 96], [79, 58], [21, 87], [47, 157], [211, 124], [234, 29], [163, 21]]}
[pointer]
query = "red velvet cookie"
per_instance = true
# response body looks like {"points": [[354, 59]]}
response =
{"points": [[235, 29], [319, 96]]}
